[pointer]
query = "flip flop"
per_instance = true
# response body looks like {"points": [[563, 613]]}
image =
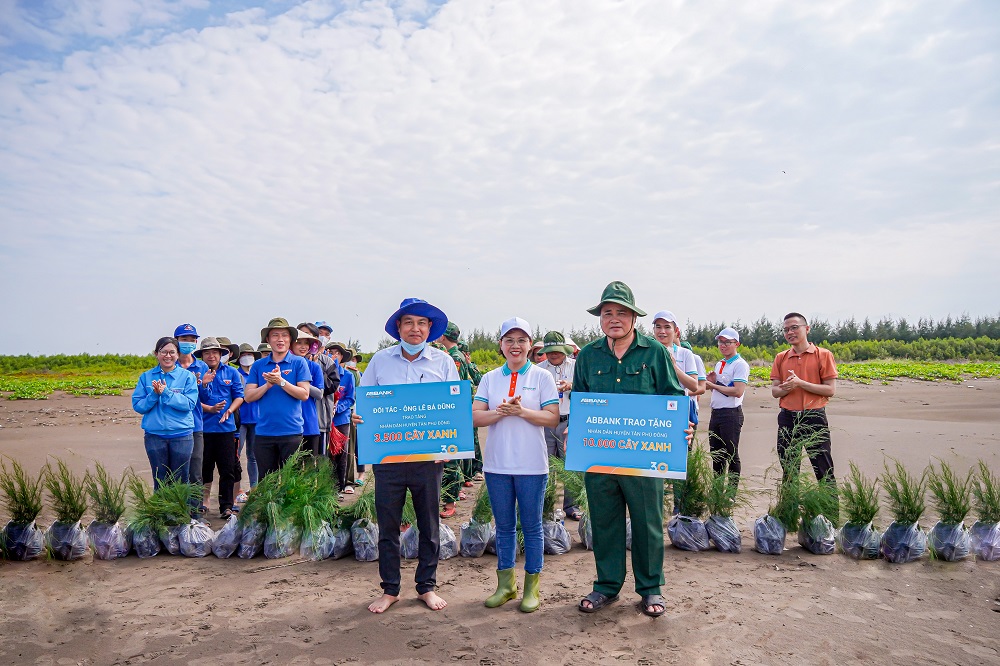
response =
{"points": [[597, 601], [652, 600], [576, 515], [349, 490]]}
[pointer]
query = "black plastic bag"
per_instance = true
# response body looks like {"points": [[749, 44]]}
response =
{"points": [[903, 543], [949, 542], [146, 542], [474, 538], [318, 544], [688, 533], [556, 538], [109, 542], [170, 537], [343, 544], [66, 541], [22, 542], [409, 543], [448, 541], [252, 540], [281, 540], [491, 545], [768, 535], [196, 539], [586, 532], [724, 534], [862, 542], [985, 541], [364, 534], [818, 537], [227, 540]]}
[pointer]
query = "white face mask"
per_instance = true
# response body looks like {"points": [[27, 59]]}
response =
{"points": [[246, 360], [323, 339], [224, 359]]}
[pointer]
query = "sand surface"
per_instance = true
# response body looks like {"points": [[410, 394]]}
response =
{"points": [[722, 608]]}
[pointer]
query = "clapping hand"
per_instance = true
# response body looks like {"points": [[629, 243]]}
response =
{"points": [[793, 381], [512, 408], [159, 385], [208, 377], [273, 377]]}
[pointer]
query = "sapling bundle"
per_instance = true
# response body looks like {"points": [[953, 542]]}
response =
{"points": [[555, 537], [448, 542], [477, 532], [949, 539], [253, 517], [21, 539], [904, 540], [986, 530], [141, 528], [722, 497], [687, 530], [783, 515], [162, 513], [574, 485], [819, 515], [65, 538], [312, 503], [108, 539], [859, 538], [364, 529], [227, 540]]}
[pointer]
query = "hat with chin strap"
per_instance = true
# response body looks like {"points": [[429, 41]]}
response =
{"points": [[618, 293]]}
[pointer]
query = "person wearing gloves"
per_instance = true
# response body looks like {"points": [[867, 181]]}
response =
{"points": [[517, 401], [311, 438], [412, 361], [221, 393], [166, 397], [248, 422], [728, 383], [187, 340]]}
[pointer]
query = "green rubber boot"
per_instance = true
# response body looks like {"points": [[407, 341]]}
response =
{"points": [[531, 599], [506, 588]]}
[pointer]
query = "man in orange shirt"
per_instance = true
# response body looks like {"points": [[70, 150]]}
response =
{"points": [[804, 378]]}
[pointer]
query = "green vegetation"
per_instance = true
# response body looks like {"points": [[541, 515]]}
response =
{"points": [[952, 495], [818, 498], [169, 506], [482, 512], [693, 501], [860, 497], [107, 495], [67, 491], [905, 493], [723, 495], [22, 494], [987, 493]]}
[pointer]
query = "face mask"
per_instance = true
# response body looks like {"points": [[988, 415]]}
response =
{"points": [[412, 350], [323, 339], [224, 359], [187, 347], [246, 360]]}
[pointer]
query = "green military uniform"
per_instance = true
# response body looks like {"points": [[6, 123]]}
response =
{"points": [[645, 368]]}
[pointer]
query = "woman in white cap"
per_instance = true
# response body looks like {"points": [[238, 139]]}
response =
{"points": [[517, 401]]}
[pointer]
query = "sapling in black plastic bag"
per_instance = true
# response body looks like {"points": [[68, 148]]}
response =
{"points": [[21, 539], [196, 539], [949, 539], [162, 513], [477, 532], [66, 539], [409, 543], [343, 544], [227, 540], [820, 514], [555, 538], [283, 537], [108, 539], [364, 529], [770, 530], [986, 530], [859, 538], [723, 496], [904, 540], [687, 529], [448, 543]]}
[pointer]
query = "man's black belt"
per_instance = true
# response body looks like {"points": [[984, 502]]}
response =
{"points": [[792, 411], [563, 417]]}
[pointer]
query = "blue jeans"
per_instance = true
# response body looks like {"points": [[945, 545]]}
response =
{"points": [[247, 431], [528, 492], [169, 456]]}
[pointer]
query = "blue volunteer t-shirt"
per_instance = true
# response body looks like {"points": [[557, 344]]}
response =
{"points": [[310, 419], [198, 368], [226, 387], [279, 414], [248, 410]]}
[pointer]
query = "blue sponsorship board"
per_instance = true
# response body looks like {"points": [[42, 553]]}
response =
{"points": [[413, 422], [623, 433]]}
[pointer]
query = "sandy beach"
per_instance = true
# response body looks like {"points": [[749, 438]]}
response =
{"points": [[722, 608]]}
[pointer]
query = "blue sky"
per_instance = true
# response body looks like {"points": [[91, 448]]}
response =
{"points": [[220, 164]]}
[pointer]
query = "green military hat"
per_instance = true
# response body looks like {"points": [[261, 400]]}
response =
{"points": [[463, 346], [345, 351], [278, 322], [247, 348], [554, 341], [234, 349], [452, 332], [264, 348], [620, 294]]}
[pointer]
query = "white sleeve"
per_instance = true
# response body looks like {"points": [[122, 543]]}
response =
{"points": [[741, 373]]}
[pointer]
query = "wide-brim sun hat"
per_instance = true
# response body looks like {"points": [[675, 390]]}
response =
{"points": [[515, 323], [619, 293], [345, 351], [263, 348], [555, 342], [418, 308], [306, 335], [278, 322], [234, 349], [247, 348], [208, 344]]}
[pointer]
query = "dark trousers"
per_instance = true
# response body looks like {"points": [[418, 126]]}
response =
{"points": [[220, 451], [310, 443], [808, 429], [423, 480], [724, 430], [272, 452], [341, 459]]}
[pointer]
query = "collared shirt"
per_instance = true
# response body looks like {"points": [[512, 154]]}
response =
{"points": [[167, 414], [729, 372], [279, 414], [814, 365], [645, 368], [345, 397], [310, 412], [248, 410], [226, 387], [685, 359], [198, 368], [389, 367], [515, 446], [560, 373]]}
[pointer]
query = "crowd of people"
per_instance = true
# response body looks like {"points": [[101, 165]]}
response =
{"points": [[209, 400]]}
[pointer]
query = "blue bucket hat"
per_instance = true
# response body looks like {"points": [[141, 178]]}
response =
{"points": [[419, 308], [185, 329]]}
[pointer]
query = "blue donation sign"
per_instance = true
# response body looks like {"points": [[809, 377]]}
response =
{"points": [[634, 435], [414, 422]]}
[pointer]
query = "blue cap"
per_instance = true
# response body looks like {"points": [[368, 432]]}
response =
{"points": [[419, 308], [185, 329], [323, 324]]}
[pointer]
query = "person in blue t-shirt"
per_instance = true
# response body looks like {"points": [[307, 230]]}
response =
{"points": [[280, 383], [310, 414]]}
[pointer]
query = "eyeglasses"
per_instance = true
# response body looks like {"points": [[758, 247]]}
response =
{"points": [[166, 352], [789, 329], [724, 343]]}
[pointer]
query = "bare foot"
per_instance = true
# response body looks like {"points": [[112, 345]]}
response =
{"points": [[382, 604], [433, 601]]}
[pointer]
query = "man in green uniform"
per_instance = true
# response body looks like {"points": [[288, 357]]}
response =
{"points": [[455, 471], [625, 361]]}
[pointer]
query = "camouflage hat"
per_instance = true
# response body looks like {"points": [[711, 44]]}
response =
{"points": [[278, 322], [556, 342], [463, 346], [620, 294], [452, 332], [208, 344], [234, 350]]}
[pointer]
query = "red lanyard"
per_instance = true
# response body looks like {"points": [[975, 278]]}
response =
{"points": [[721, 367], [513, 384]]}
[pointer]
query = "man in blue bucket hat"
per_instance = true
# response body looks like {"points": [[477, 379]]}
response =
{"points": [[412, 361]]}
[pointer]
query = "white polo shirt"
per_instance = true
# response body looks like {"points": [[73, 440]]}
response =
{"points": [[701, 377], [561, 373], [389, 367], [514, 446], [727, 373], [684, 358]]}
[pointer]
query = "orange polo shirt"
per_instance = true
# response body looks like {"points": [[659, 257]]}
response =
{"points": [[813, 365]]}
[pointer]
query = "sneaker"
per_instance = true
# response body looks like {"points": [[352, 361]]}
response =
{"points": [[242, 498]]}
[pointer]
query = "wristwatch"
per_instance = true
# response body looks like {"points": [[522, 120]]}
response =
{"points": [[283, 382]]}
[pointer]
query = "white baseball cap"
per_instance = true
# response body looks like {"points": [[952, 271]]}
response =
{"points": [[665, 315], [729, 334], [515, 323]]}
